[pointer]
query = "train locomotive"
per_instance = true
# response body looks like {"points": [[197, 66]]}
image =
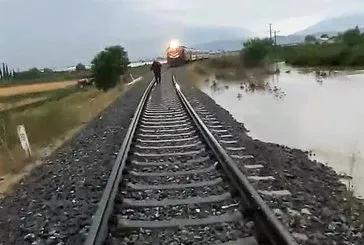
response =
{"points": [[178, 55]]}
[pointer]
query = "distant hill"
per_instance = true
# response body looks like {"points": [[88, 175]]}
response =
{"points": [[334, 25], [206, 38], [282, 40], [233, 38], [228, 45], [205, 35], [232, 45]]}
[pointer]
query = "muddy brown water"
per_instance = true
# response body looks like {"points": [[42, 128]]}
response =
{"points": [[302, 110]]}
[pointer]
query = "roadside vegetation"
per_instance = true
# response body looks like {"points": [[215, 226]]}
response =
{"points": [[343, 50], [256, 60], [108, 65], [10, 78], [53, 112], [251, 65]]}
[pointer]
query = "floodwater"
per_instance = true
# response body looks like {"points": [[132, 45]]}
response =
{"points": [[141, 63], [296, 109]]}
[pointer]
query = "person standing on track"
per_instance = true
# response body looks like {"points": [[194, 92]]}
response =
{"points": [[156, 68]]}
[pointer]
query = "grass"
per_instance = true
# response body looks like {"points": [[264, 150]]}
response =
{"points": [[34, 88], [229, 68], [48, 122], [22, 97], [46, 77], [322, 55], [21, 102], [50, 118]]}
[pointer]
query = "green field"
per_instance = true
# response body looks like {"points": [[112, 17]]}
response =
{"points": [[50, 116]]}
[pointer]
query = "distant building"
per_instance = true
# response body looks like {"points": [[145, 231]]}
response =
{"points": [[325, 40]]}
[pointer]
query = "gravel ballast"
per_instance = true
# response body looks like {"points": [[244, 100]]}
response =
{"points": [[319, 209], [55, 203], [207, 234]]}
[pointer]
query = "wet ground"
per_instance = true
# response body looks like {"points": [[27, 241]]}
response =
{"points": [[303, 110]]}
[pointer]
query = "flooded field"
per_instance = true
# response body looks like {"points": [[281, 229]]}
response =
{"points": [[303, 110], [136, 64]]}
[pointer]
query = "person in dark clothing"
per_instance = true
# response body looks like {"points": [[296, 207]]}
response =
{"points": [[156, 68]]}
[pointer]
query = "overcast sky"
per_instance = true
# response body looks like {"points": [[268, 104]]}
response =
{"points": [[60, 32], [287, 15]]}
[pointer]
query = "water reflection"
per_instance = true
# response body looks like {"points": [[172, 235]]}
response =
{"points": [[304, 109]]}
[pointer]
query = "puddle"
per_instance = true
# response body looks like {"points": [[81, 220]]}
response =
{"points": [[301, 110]]}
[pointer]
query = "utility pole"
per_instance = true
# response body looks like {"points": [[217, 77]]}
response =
{"points": [[275, 47], [275, 37], [270, 31]]}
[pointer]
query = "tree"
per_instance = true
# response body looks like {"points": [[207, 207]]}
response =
{"points": [[256, 50], [352, 37], [310, 38], [4, 71], [324, 36], [80, 67], [108, 65], [7, 74], [47, 70], [32, 73]]}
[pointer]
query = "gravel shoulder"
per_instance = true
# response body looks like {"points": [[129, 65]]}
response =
{"points": [[55, 203], [319, 209]]}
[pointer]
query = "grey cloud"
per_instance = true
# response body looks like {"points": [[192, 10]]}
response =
{"points": [[59, 32], [63, 32]]}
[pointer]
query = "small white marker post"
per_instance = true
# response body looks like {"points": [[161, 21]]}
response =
{"points": [[24, 140], [131, 76], [133, 80]]}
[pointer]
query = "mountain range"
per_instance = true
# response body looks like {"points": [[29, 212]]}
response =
{"points": [[334, 25]]}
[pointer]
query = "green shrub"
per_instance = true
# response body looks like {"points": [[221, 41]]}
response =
{"points": [[255, 51], [336, 54], [108, 65]]}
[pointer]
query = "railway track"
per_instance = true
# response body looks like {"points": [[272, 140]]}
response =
{"points": [[173, 183]]}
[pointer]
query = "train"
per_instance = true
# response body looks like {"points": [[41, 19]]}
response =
{"points": [[178, 55]]}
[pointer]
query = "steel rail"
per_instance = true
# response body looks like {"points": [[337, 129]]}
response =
{"points": [[269, 227], [99, 227]]}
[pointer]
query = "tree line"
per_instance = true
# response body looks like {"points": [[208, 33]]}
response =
{"points": [[350, 37], [346, 49], [39, 75], [6, 73], [107, 67]]}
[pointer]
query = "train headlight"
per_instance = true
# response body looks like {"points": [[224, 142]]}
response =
{"points": [[174, 44]]}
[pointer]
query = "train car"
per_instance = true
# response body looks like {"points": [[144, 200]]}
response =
{"points": [[178, 54]]}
